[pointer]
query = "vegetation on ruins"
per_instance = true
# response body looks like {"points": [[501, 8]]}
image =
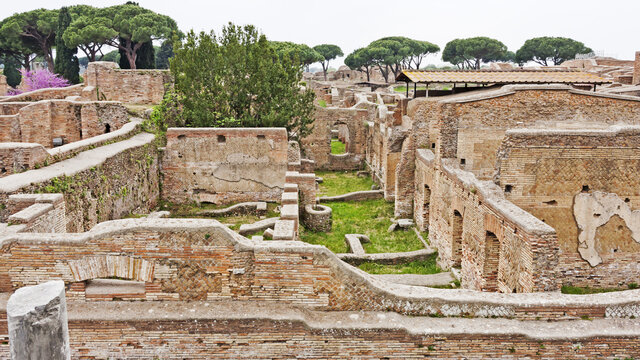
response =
{"points": [[66, 64], [35, 30], [370, 217], [163, 54], [328, 53], [236, 79], [550, 50], [424, 267], [11, 66], [472, 52]]}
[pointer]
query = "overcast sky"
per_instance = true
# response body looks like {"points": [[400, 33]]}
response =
{"points": [[609, 27]]}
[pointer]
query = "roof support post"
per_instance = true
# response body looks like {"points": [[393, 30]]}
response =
{"points": [[407, 90], [415, 90]]}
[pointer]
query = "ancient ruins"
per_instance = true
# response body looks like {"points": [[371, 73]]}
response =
{"points": [[523, 186]]}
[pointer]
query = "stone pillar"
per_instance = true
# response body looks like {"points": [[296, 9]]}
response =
{"points": [[37, 321], [636, 70]]}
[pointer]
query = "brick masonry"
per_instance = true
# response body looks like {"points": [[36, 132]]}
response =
{"points": [[636, 70], [106, 81]]}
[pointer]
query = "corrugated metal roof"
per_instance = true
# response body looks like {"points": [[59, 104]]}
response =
{"points": [[516, 76]]}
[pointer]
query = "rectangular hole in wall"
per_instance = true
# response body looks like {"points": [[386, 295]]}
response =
{"points": [[463, 161], [222, 139], [433, 145], [261, 137], [508, 188]]}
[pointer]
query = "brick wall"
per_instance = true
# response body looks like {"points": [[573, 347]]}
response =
{"points": [[544, 171], [197, 259], [106, 81], [3, 85], [17, 157], [464, 217], [45, 94], [126, 180], [224, 165], [472, 127], [317, 146], [269, 338], [42, 121]]}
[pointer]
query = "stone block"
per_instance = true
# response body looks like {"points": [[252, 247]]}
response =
{"points": [[354, 244], [284, 230], [37, 322], [289, 198]]}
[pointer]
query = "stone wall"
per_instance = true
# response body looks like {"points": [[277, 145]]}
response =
{"points": [[224, 165], [17, 157], [38, 213], [317, 146], [45, 94], [498, 246], [470, 127], [585, 185], [106, 81], [101, 184], [240, 331], [198, 259], [42, 121], [636, 70]]}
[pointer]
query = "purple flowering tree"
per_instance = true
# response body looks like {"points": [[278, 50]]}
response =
{"points": [[39, 79]]}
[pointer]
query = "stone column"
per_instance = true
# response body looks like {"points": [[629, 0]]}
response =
{"points": [[37, 321], [636, 70]]}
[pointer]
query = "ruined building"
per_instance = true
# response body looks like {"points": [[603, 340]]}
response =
{"points": [[523, 188]]}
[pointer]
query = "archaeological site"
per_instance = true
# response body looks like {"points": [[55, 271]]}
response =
{"points": [[475, 212]]}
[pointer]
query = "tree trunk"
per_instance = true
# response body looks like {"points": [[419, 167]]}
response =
{"points": [[324, 69], [368, 77]]}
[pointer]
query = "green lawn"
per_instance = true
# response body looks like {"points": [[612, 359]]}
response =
{"points": [[403, 88], [193, 210], [338, 147], [371, 218], [568, 289], [415, 267], [342, 182]]}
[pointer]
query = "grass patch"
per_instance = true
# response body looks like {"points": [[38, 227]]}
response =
{"points": [[322, 103], [338, 147], [338, 183], [424, 267], [371, 218], [192, 211], [576, 290]]}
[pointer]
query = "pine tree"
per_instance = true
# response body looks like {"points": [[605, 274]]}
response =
{"points": [[66, 60]]}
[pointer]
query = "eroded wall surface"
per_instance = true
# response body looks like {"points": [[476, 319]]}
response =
{"points": [[224, 165], [584, 184]]}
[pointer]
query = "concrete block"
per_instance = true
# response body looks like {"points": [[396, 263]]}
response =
{"points": [[284, 230]]}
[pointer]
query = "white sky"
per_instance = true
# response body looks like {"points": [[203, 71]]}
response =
{"points": [[609, 27]]}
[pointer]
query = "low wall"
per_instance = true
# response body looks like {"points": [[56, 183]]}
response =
{"points": [[45, 94], [224, 165], [42, 121], [199, 330], [106, 81], [100, 184], [636, 70], [197, 259]]}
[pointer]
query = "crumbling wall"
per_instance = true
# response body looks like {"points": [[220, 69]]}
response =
{"points": [[499, 246], [17, 157], [106, 81], [45, 94], [553, 174], [4, 87], [42, 121], [199, 259], [317, 146], [471, 127], [224, 165], [101, 184]]}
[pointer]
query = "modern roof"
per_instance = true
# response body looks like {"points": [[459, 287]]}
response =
{"points": [[516, 76]]}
